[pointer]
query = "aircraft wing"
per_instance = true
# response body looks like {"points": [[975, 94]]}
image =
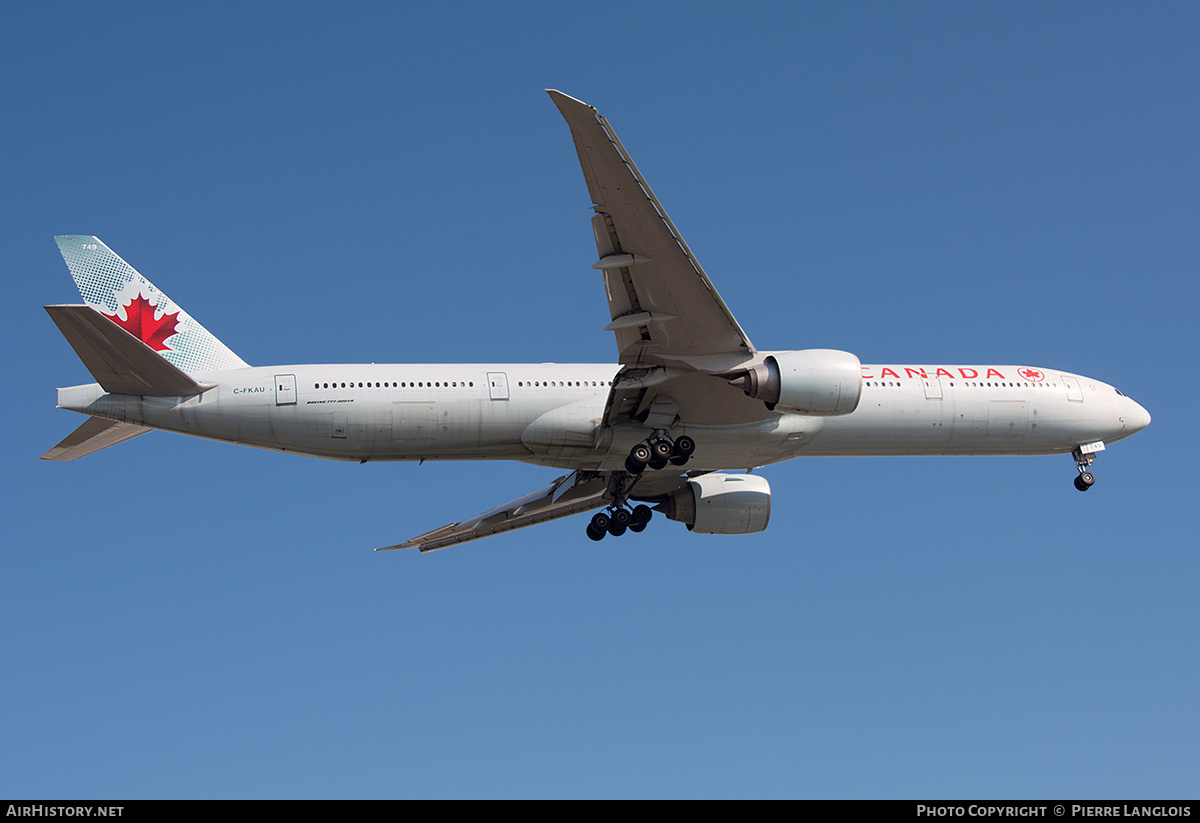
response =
{"points": [[676, 338], [571, 494], [663, 307]]}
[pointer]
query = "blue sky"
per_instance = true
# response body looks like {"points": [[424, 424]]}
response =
{"points": [[969, 183]]}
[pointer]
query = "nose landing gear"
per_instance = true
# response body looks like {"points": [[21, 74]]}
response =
{"points": [[1084, 455]]}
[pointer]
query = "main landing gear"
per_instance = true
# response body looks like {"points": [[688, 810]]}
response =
{"points": [[658, 451], [617, 520], [1082, 460]]}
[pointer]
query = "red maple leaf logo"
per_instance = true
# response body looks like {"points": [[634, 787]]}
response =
{"points": [[1032, 375], [141, 324]]}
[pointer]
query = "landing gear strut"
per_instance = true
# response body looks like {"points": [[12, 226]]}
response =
{"points": [[1082, 460]]}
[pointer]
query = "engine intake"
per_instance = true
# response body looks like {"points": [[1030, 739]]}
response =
{"points": [[811, 381]]}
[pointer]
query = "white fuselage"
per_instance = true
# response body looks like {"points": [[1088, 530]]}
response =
{"points": [[550, 414]]}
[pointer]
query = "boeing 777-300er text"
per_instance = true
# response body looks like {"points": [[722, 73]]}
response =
{"points": [[673, 427]]}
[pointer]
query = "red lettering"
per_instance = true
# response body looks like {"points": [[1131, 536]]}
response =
{"points": [[865, 375], [943, 373], [992, 372], [886, 372], [966, 376], [915, 372]]}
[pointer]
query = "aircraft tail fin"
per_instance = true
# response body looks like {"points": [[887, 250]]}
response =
{"points": [[94, 434], [121, 363], [117, 291]]}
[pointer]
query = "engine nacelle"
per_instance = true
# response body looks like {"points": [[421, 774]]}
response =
{"points": [[721, 504], [811, 381]]}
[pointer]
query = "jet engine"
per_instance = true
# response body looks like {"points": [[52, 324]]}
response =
{"points": [[811, 381], [721, 504]]}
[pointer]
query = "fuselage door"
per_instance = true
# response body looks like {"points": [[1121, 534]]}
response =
{"points": [[497, 385], [933, 388], [1073, 391], [285, 390], [341, 426]]}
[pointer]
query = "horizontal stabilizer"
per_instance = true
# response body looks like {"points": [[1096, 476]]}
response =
{"points": [[121, 363], [93, 435]]}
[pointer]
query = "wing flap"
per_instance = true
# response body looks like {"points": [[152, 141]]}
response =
{"points": [[568, 495]]}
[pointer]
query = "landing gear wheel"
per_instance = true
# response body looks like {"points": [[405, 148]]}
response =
{"points": [[638, 457], [684, 447], [682, 451], [1084, 481], [642, 514], [617, 521], [600, 522], [595, 535], [659, 463], [662, 449], [637, 527]]}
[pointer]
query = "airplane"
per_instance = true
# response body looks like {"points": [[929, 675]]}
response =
{"points": [[676, 426]]}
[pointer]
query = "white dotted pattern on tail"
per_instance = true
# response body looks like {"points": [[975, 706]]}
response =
{"points": [[109, 284]]}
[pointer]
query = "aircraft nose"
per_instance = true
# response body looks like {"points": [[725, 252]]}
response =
{"points": [[1136, 417]]}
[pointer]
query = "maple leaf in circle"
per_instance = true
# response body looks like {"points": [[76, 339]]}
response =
{"points": [[139, 321]]}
